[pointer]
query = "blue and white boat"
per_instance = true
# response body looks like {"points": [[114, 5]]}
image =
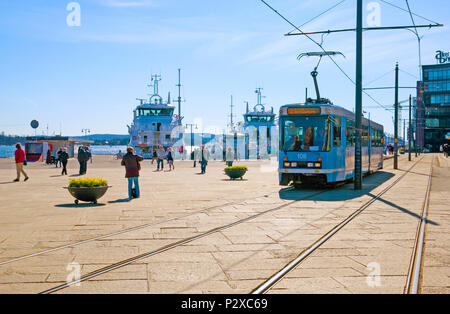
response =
{"points": [[261, 122], [155, 124]]}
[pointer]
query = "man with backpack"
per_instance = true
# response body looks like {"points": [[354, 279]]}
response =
{"points": [[132, 168]]}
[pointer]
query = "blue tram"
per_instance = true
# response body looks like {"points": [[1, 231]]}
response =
{"points": [[317, 144]]}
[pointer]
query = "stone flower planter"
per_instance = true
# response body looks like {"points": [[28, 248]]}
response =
{"points": [[236, 172], [88, 194]]}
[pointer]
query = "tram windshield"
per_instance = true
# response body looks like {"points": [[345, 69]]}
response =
{"points": [[306, 134]]}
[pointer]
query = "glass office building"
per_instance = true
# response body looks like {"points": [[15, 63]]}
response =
{"points": [[433, 107]]}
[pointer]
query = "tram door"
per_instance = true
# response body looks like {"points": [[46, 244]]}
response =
{"points": [[338, 146]]}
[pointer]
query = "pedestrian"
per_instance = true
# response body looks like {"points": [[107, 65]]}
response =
{"points": [[161, 154], [230, 157], [48, 160], [132, 168], [446, 149], [170, 158], [20, 161], [83, 157], [154, 156], [89, 153], [196, 156], [58, 158], [64, 158], [204, 157]]}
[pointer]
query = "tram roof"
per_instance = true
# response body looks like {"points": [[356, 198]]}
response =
{"points": [[329, 109]]}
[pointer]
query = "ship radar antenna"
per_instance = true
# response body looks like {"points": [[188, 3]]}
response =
{"points": [[314, 73], [259, 97], [155, 84]]}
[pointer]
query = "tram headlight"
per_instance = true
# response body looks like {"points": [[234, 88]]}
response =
{"points": [[293, 164], [287, 164], [310, 165], [318, 165]]}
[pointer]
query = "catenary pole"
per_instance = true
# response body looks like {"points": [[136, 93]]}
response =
{"points": [[409, 129], [396, 120], [358, 96]]}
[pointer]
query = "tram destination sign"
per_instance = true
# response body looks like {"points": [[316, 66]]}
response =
{"points": [[442, 57]]}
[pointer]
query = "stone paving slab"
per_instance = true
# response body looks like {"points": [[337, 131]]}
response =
{"points": [[234, 260]]}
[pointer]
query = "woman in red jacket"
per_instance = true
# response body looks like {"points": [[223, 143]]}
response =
{"points": [[20, 159]]}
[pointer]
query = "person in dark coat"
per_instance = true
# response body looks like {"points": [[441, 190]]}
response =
{"points": [[132, 168], [204, 158], [58, 158], [83, 157], [64, 158]]}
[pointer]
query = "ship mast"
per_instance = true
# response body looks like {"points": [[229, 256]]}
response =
{"points": [[179, 95]]}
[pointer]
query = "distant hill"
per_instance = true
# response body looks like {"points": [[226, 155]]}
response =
{"points": [[11, 139], [106, 139]]}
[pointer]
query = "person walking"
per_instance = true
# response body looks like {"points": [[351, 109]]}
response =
{"points": [[154, 157], [89, 154], [204, 157], [82, 159], [132, 168], [230, 157], [64, 158], [170, 158], [58, 157], [161, 154], [196, 156], [20, 161]]}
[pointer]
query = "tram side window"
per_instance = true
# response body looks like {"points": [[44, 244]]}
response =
{"points": [[350, 134], [337, 137], [365, 136]]}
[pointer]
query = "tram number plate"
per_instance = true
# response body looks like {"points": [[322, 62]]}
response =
{"points": [[301, 156]]}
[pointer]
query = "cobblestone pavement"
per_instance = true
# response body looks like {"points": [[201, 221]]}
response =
{"points": [[39, 215]]}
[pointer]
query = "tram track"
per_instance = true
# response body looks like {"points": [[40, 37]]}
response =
{"points": [[140, 227], [176, 244], [281, 274], [416, 265]]}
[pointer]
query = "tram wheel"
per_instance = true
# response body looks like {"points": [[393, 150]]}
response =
{"points": [[76, 202]]}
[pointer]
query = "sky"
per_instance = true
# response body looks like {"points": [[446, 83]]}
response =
{"points": [[71, 78]]}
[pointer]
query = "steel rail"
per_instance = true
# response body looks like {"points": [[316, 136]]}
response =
{"points": [[127, 230], [277, 277], [173, 245], [70, 245], [414, 273]]}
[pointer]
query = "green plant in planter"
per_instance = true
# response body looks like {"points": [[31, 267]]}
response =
{"points": [[88, 189], [87, 183], [236, 172]]}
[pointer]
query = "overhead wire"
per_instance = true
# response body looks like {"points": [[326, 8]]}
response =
{"points": [[324, 12], [400, 8], [321, 47]]}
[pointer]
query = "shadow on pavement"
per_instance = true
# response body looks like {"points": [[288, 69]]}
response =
{"points": [[81, 205], [402, 209], [343, 193], [123, 200]]}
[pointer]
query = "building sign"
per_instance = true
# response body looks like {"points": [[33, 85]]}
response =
{"points": [[442, 57]]}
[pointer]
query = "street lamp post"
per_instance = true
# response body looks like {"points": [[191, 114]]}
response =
{"points": [[86, 131], [191, 125]]}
